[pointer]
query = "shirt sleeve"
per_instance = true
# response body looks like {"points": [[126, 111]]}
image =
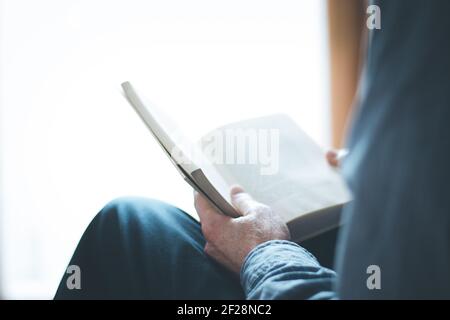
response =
{"points": [[279, 269]]}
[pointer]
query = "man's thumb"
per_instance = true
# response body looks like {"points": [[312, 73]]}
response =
{"points": [[241, 200]]}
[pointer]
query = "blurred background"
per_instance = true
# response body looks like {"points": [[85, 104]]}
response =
{"points": [[69, 142]]}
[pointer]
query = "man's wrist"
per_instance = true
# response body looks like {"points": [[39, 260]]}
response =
{"points": [[268, 256]]}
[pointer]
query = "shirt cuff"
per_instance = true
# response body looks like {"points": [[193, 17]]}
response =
{"points": [[270, 255]]}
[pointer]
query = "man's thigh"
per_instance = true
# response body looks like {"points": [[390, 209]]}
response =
{"points": [[146, 249]]}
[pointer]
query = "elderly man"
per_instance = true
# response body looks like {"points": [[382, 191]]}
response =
{"points": [[399, 220]]}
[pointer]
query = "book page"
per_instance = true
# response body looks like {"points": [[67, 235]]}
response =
{"points": [[277, 163], [183, 153], [166, 132]]}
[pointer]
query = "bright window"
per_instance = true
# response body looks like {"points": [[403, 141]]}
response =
{"points": [[69, 140]]}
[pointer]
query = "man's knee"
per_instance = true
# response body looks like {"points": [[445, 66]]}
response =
{"points": [[139, 214]]}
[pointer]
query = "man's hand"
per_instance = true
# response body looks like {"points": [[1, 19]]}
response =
{"points": [[230, 240], [334, 157]]}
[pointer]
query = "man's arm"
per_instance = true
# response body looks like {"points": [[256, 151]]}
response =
{"points": [[257, 245], [284, 270]]}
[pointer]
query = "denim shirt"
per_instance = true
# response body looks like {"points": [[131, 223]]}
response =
{"points": [[398, 171], [281, 269]]}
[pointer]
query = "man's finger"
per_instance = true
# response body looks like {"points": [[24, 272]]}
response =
{"points": [[335, 158], [206, 211], [241, 200]]}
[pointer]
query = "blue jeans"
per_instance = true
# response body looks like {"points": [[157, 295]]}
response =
{"points": [[145, 249]]}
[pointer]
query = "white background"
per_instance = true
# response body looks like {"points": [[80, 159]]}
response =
{"points": [[70, 142]]}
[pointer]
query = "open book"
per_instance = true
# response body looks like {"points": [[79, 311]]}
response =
{"points": [[270, 157]]}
